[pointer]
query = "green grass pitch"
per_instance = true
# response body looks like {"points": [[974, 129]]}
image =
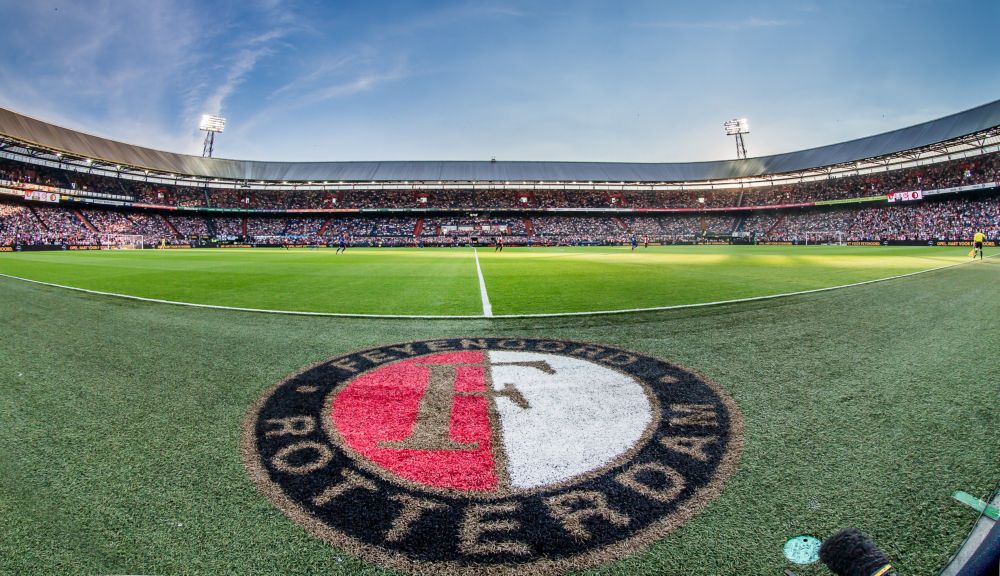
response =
{"points": [[444, 281], [120, 420]]}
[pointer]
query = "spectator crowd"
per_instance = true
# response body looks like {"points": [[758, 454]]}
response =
{"points": [[954, 218], [976, 170], [944, 218]]}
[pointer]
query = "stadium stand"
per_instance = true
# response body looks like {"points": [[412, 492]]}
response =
{"points": [[955, 218], [952, 199], [978, 170]]}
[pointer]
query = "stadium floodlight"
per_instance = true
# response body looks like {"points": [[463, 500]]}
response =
{"points": [[738, 127], [210, 125]]}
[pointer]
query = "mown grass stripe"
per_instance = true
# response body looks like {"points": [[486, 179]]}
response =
{"points": [[490, 315]]}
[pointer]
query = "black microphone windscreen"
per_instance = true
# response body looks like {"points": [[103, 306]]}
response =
{"points": [[851, 553]]}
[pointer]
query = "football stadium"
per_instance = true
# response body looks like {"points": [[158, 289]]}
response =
{"points": [[778, 364]]}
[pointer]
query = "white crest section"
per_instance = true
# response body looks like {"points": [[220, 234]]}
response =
{"points": [[577, 419]]}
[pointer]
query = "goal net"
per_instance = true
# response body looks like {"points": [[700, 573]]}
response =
{"points": [[123, 241], [833, 237]]}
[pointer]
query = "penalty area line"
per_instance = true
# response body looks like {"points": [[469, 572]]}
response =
{"points": [[487, 307]]}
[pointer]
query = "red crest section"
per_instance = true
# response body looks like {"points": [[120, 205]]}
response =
{"points": [[377, 413]]}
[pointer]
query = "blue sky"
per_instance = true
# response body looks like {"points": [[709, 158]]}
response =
{"points": [[459, 80]]}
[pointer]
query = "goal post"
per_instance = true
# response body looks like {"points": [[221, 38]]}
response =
{"points": [[834, 237], [123, 241]]}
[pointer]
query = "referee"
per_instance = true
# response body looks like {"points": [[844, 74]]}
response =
{"points": [[977, 243]]}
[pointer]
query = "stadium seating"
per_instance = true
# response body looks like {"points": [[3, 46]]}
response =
{"points": [[982, 169], [945, 217], [956, 218]]}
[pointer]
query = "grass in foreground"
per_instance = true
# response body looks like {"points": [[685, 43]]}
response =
{"points": [[119, 424], [444, 282]]}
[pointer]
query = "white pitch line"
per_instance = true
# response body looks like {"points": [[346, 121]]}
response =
{"points": [[487, 307], [480, 317]]}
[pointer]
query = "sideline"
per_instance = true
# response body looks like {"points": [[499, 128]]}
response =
{"points": [[487, 307], [488, 312]]}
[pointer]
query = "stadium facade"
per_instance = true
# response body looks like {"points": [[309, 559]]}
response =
{"points": [[969, 128], [60, 187]]}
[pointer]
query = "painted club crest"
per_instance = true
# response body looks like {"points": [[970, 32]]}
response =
{"points": [[492, 455]]}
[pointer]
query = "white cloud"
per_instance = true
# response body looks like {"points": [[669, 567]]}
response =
{"points": [[362, 82], [239, 68], [104, 68], [140, 72], [248, 51], [324, 69], [745, 24]]}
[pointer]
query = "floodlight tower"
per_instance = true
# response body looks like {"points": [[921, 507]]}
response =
{"points": [[738, 127], [210, 125]]}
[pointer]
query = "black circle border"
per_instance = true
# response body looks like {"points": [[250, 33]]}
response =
{"points": [[396, 560]]}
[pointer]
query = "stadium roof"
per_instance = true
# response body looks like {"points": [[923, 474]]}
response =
{"points": [[55, 138]]}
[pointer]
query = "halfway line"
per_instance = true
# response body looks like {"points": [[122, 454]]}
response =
{"points": [[487, 307]]}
